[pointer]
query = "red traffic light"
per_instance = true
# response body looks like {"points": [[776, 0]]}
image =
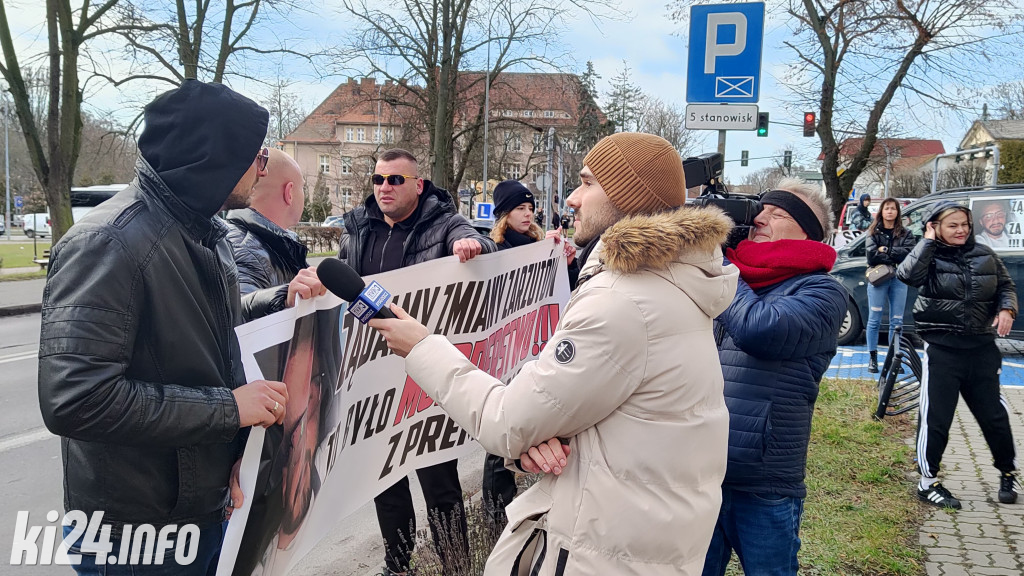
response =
{"points": [[809, 124]]}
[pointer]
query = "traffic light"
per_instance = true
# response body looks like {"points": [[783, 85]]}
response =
{"points": [[744, 158], [808, 123], [787, 159], [762, 124]]}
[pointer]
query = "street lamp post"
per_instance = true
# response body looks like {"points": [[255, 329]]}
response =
{"points": [[487, 104], [7, 172]]}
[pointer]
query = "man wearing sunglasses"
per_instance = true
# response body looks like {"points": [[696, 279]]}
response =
{"points": [[407, 221], [140, 372], [991, 224]]}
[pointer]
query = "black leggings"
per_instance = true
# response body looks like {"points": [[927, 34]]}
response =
{"points": [[974, 374]]}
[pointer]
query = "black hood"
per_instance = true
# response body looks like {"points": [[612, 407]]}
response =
{"points": [[200, 139], [942, 207]]}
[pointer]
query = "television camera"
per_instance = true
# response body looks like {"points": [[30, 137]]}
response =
{"points": [[706, 171]]}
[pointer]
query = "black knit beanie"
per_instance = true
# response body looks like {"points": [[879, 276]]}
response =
{"points": [[509, 194]]}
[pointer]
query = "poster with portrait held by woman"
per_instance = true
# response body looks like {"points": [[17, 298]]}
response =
{"points": [[355, 423]]}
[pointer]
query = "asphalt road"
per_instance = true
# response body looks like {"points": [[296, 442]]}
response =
{"points": [[31, 473]]}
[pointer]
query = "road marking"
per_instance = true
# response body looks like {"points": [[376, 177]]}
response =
{"points": [[24, 439], [19, 357]]}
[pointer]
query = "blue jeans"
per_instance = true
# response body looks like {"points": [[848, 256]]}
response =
{"points": [[205, 564], [763, 529], [895, 293]]}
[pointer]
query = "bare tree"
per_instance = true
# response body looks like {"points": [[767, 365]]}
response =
{"points": [[54, 151], [668, 121], [868, 55], [426, 46], [763, 179], [1009, 100], [286, 111], [174, 40]]}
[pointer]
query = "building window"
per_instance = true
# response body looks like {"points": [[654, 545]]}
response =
{"points": [[346, 197], [376, 135], [514, 141], [527, 113], [348, 134], [361, 135], [389, 135], [549, 113], [325, 164], [537, 139], [515, 170], [507, 113], [346, 165]]}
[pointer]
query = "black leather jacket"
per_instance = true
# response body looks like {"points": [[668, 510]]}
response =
{"points": [[138, 357], [961, 289], [895, 251], [438, 225], [266, 254]]}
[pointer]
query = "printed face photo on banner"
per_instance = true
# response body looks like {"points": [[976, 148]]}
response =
{"points": [[308, 364], [997, 222]]}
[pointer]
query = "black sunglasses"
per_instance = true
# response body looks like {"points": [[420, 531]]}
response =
{"points": [[262, 159], [393, 179]]}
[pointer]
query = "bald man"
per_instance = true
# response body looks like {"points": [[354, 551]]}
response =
{"points": [[268, 255], [266, 252]]}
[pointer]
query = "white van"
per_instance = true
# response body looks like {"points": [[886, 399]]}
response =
{"points": [[83, 199], [37, 224]]}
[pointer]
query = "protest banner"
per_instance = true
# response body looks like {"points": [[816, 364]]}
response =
{"points": [[355, 423]]}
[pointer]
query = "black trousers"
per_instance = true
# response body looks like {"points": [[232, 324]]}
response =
{"points": [[397, 516], [499, 488], [973, 374]]}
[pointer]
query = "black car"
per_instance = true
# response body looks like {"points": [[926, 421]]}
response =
{"points": [[852, 261]]}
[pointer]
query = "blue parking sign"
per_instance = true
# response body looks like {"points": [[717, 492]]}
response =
{"points": [[484, 211], [724, 60], [18, 202]]}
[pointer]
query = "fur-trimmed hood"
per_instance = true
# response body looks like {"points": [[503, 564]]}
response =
{"points": [[682, 246]]}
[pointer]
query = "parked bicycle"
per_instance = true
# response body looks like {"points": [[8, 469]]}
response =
{"points": [[899, 382]]}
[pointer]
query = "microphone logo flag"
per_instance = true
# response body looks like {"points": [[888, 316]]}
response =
{"points": [[370, 301]]}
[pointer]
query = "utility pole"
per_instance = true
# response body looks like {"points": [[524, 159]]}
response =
{"points": [[7, 171]]}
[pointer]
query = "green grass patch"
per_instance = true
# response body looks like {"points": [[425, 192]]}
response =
{"points": [[322, 254], [860, 517], [20, 254]]}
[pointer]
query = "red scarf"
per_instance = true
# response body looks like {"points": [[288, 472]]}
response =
{"points": [[767, 263]]}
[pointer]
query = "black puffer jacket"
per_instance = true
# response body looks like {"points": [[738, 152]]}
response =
{"points": [[961, 289], [435, 230], [137, 355], [266, 254], [896, 249]]}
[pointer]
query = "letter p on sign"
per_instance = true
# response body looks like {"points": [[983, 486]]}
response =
{"points": [[713, 48]]}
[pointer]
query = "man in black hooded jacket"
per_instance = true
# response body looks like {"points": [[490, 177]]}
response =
{"points": [[407, 221], [140, 372]]}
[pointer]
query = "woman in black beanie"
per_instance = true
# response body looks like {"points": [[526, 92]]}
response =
{"points": [[514, 207]]}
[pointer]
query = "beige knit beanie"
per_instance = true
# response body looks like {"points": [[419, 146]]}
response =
{"points": [[640, 173]]}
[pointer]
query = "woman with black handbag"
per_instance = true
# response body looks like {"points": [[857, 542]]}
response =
{"points": [[887, 244]]}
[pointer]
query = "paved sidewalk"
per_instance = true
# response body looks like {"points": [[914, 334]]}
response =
{"points": [[21, 296], [985, 537]]}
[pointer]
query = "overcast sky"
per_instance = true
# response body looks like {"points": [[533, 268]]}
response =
{"points": [[654, 47]]}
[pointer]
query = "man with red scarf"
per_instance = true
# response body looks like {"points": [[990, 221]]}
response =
{"points": [[775, 341]]}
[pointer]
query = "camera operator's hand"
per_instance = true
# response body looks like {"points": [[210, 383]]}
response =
{"points": [[883, 249]]}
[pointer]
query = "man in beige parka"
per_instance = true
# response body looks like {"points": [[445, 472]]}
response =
{"points": [[631, 377]]}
